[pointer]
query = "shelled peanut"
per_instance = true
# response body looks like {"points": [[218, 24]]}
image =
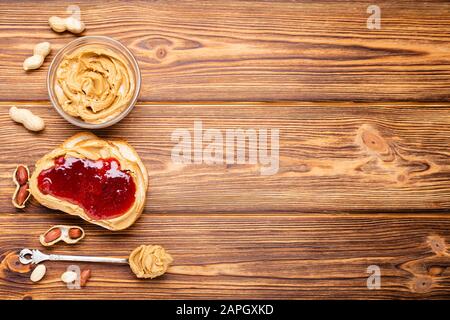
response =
{"points": [[84, 277], [38, 273], [21, 194], [68, 234], [70, 277]]}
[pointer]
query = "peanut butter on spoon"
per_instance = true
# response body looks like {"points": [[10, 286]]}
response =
{"points": [[146, 261], [149, 261]]}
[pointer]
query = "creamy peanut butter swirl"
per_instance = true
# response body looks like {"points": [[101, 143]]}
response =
{"points": [[94, 83], [149, 261]]}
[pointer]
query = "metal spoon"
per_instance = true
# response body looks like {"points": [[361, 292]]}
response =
{"points": [[27, 256]]}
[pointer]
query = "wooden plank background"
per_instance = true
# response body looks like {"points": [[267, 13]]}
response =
{"points": [[364, 148], [250, 50]]}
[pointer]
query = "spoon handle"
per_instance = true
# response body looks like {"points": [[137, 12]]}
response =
{"points": [[59, 257], [28, 256]]}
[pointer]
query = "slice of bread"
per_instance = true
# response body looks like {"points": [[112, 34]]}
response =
{"points": [[86, 145]]}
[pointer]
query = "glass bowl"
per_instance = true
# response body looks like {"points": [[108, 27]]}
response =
{"points": [[102, 41]]}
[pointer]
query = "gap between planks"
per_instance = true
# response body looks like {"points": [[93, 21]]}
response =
{"points": [[287, 103], [401, 215]]}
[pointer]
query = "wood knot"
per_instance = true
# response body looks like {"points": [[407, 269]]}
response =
{"points": [[161, 53], [436, 271], [370, 140], [422, 284], [304, 168], [437, 245], [373, 141], [11, 262], [27, 298]]}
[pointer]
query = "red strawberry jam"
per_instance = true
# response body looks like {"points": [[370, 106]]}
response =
{"points": [[99, 187]]}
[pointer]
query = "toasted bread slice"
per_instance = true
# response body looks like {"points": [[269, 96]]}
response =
{"points": [[86, 145]]}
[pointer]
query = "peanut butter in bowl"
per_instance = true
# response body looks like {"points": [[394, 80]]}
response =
{"points": [[94, 82]]}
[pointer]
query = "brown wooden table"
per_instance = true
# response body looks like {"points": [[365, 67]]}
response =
{"points": [[339, 202]]}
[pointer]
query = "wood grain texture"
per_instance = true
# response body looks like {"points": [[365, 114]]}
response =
{"points": [[245, 256], [249, 50], [359, 183], [237, 234], [333, 157]]}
